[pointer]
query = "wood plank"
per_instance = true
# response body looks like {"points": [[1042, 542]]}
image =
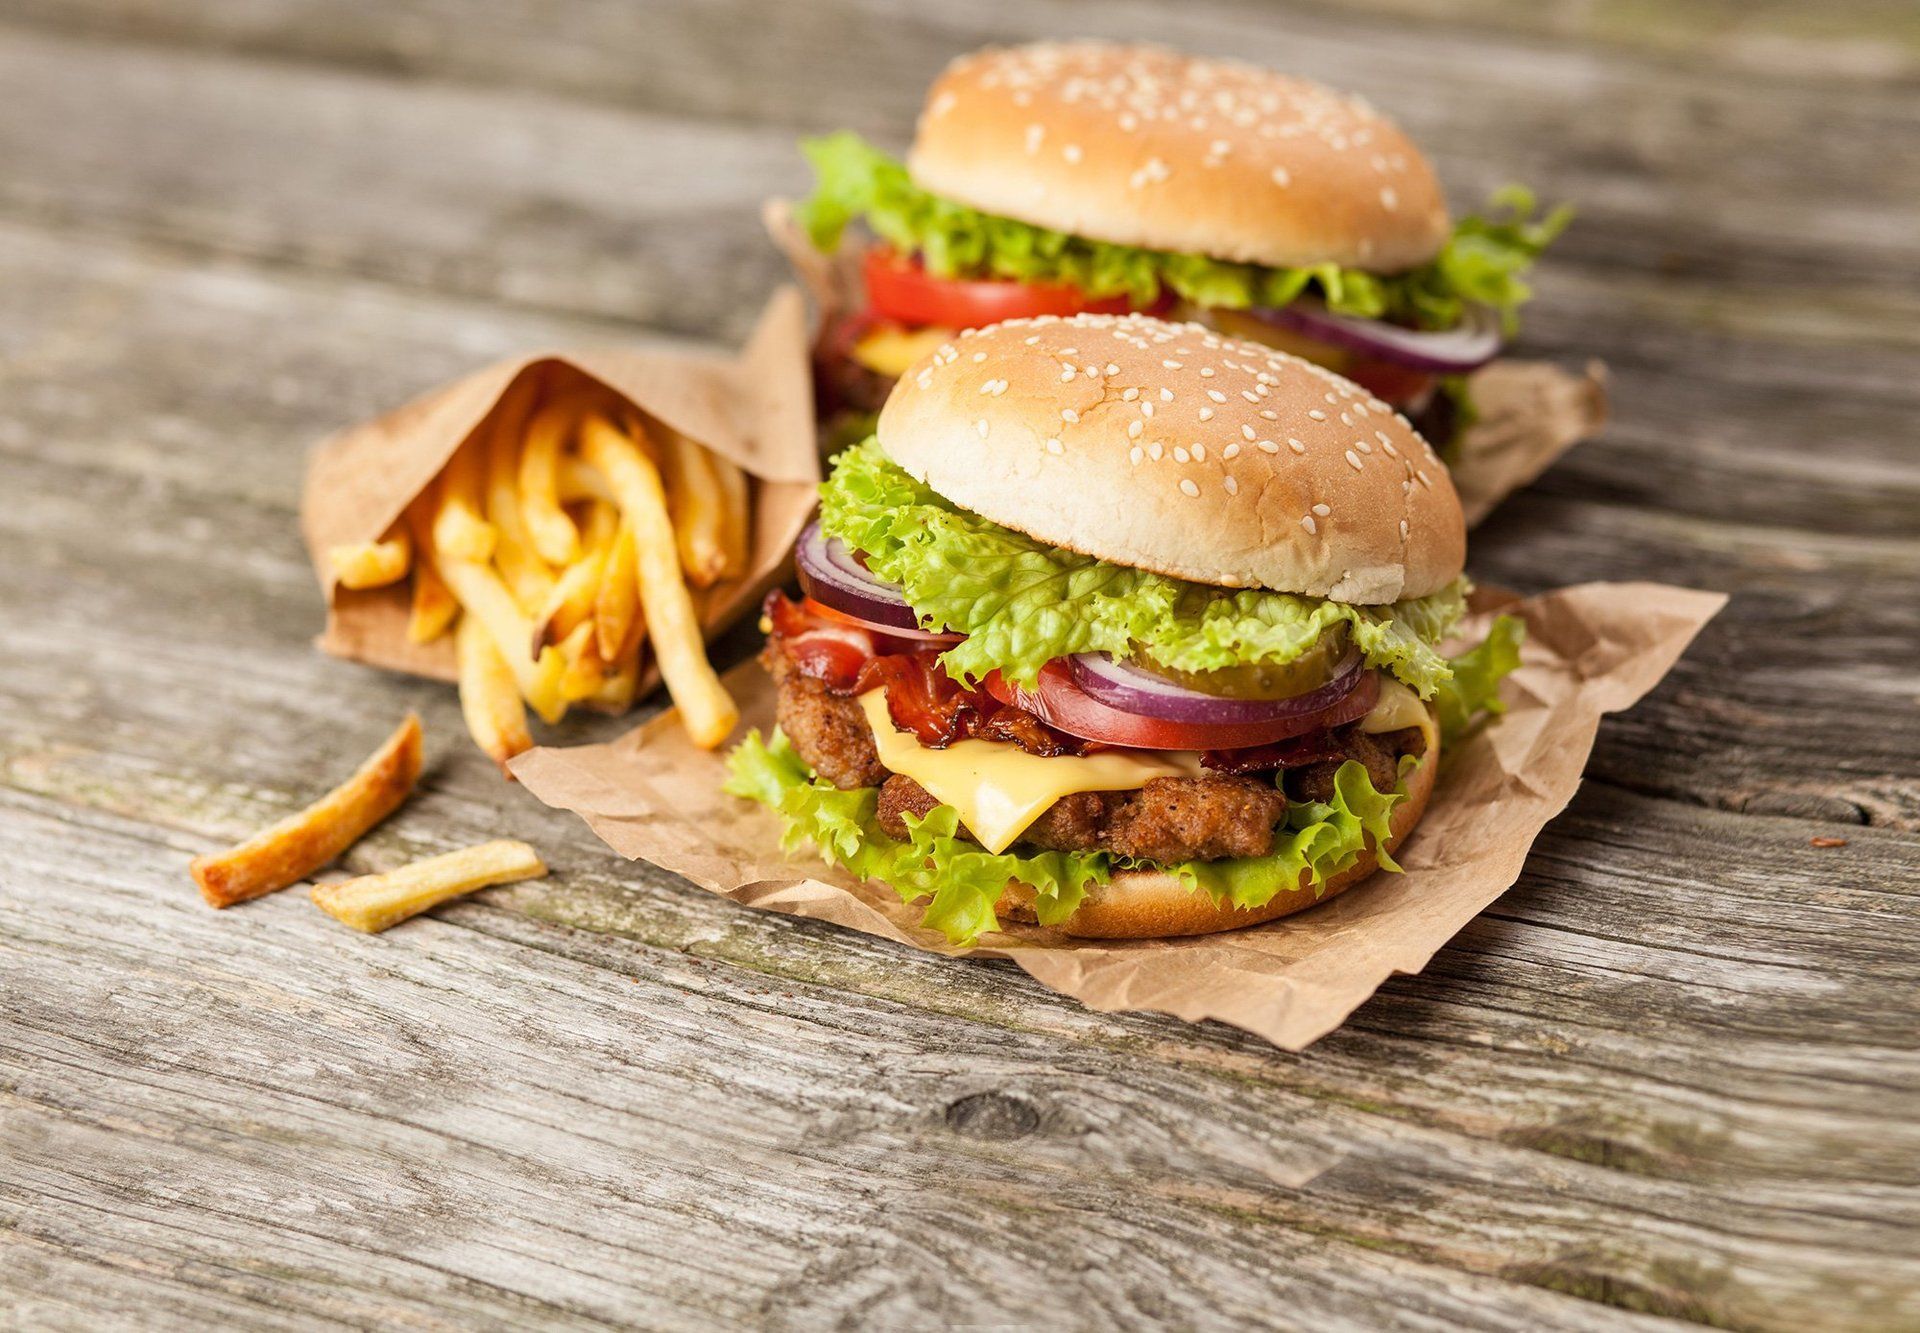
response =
{"points": [[653, 216]]}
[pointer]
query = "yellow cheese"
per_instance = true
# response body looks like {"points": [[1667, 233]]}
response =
{"points": [[892, 351], [1399, 707], [998, 788]]}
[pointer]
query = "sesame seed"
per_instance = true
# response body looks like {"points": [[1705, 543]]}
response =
{"points": [[1134, 428], [1170, 365], [1166, 395], [981, 426], [1388, 199], [1425, 480], [1072, 152], [1306, 521], [1322, 510], [1250, 395], [1345, 420], [1180, 455], [1353, 460], [1199, 453], [1295, 445], [1206, 414], [1363, 446], [1054, 446], [1281, 178], [1317, 414], [1069, 351], [1231, 451], [1206, 372], [1035, 133], [1232, 484], [1247, 432], [1068, 415], [1146, 409], [978, 357], [1113, 369], [1391, 451], [1155, 451], [1188, 486], [1267, 447], [1130, 395], [1135, 454], [1403, 529], [1066, 376], [1268, 414], [1216, 395]]}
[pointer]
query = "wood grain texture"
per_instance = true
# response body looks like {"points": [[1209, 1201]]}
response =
{"points": [[1672, 1073]]}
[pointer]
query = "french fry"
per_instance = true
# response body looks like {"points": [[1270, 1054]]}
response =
{"points": [[300, 844], [372, 903], [373, 564], [616, 603], [571, 602], [460, 527], [576, 482], [698, 507], [550, 531], [739, 518], [484, 597], [585, 673], [520, 565], [433, 606], [489, 699], [706, 709], [619, 687]]}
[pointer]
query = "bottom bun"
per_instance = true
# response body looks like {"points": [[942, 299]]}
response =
{"points": [[1150, 904]]}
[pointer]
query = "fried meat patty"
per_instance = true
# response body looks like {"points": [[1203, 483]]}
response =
{"points": [[1207, 818]]}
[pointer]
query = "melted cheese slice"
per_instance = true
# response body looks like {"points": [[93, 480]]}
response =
{"points": [[998, 788], [1399, 707], [893, 351]]}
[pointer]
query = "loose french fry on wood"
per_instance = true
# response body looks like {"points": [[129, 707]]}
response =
{"points": [[739, 517], [698, 507], [372, 903], [373, 564], [300, 844], [490, 700], [484, 597], [552, 534], [460, 526], [706, 709]]}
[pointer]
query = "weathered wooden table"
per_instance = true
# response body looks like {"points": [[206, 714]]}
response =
{"points": [[1675, 1071]]}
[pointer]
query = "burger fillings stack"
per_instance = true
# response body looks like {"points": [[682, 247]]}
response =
{"points": [[1083, 177], [1122, 626]]}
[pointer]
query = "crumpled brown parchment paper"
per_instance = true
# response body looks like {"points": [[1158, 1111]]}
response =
{"points": [[1590, 650], [1530, 412], [755, 408]]}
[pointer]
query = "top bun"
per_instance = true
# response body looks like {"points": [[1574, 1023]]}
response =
{"points": [[1173, 448], [1141, 146]]}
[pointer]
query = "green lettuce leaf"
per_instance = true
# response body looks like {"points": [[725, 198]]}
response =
{"points": [[1473, 687], [961, 881], [1023, 603], [1481, 263]]}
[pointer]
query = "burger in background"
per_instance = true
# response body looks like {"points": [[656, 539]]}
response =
{"points": [[1127, 627], [1070, 178]]}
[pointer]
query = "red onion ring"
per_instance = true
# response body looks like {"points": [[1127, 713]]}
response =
{"points": [[1134, 689], [1467, 346], [832, 577]]}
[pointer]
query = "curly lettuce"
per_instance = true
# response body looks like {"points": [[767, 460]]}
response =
{"points": [[1473, 685], [961, 882], [1022, 603], [1482, 263]]}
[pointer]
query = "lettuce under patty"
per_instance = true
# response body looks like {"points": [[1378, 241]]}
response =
{"points": [[1023, 603], [962, 881], [1482, 263]]}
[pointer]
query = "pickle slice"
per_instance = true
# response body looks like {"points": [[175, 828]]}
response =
{"points": [[1266, 680]]}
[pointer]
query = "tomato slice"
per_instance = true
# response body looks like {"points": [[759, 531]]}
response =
{"points": [[1060, 703], [901, 289]]}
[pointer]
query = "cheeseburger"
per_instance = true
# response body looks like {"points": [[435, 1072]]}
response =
{"points": [[1058, 179], [1122, 626]]}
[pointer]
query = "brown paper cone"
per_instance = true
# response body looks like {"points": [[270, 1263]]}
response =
{"points": [[1530, 412], [1590, 650], [755, 409]]}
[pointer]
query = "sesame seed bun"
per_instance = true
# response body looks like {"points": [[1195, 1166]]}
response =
{"points": [[1173, 448], [1139, 904], [1140, 146]]}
